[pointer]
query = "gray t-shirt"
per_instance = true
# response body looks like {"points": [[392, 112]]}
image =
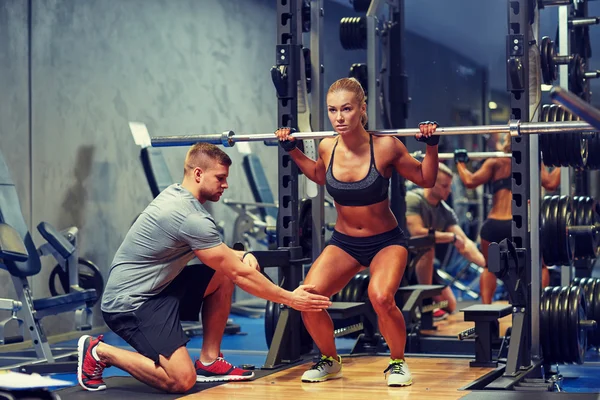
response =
{"points": [[157, 247], [439, 217]]}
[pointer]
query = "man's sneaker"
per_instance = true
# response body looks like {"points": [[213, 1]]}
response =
{"points": [[399, 374], [220, 370], [326, 368], [439, 315], [89, 366]]}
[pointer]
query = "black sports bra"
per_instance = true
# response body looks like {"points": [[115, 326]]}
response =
{"points": [[499, 184], [372, 189]]}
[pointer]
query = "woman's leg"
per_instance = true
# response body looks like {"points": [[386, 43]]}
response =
{"points": [[330, 272], [387, 269], [487, 280]]}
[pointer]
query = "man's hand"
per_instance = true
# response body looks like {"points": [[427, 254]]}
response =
{"points": [[303, 300], [251, 261], [459, 242]]}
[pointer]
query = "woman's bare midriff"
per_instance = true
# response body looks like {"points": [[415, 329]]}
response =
{"points": [[502, 200], [363, 221], [501, 205]]}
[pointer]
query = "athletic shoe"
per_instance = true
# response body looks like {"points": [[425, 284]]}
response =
{"points": [[399, 374], [220, 371], [439, 315], [326, 368], [89, 366]]}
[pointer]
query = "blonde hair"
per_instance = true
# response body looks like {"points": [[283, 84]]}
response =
{"points": [[443, 168], [204, 155], [351, 85]]}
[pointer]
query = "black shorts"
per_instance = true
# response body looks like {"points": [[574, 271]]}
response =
{"points": [[496, 230], [155, 327], [364, 249]]}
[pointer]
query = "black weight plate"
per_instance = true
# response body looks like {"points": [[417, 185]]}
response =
{"points": [[589, 287], [595, 300], [553, 229], [555, 323], [580, 314], [545, 234], [549, 244], [568, 221], [571, 323], [551, 55], [270, 323], [544, 62], [347, 292], [562, 350], [562, 213], [364, 288]]}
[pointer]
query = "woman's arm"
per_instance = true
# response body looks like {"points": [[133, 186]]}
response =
{"points": [[473, 179], [422, 173], [313, 170]]}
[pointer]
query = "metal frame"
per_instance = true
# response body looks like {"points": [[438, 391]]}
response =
{"points": [[317, 122], [285, 347], [524, 351]]}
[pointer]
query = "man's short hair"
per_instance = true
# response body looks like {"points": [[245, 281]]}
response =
{"points": [[204, 155], [446, 170]]}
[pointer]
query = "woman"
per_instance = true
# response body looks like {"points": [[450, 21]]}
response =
{"points": [[356, 167], [498, 225]]}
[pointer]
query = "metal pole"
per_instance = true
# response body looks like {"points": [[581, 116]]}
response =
{"points": [[566, 271], [373, 109], [514, 128], [316, 115]]}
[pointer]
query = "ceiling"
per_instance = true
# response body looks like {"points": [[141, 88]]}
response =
{"points": [[478, 29]]}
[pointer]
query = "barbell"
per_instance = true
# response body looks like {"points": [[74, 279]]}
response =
{"points": [[229, 138], [474, 155]]}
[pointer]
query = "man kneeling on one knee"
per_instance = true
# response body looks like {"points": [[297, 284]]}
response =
{"points": [[150, 280], [426, 209]]}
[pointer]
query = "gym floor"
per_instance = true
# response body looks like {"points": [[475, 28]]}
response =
{"points": [[363, 376]]}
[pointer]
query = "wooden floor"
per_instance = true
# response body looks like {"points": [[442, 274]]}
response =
{"points": [[433, 378]]}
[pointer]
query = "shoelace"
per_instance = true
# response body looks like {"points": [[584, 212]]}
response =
{"points": [[97, 373], [321, 364], [223, 360], [396, 368]]}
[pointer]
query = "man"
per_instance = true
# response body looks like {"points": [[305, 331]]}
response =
{"points": [[426, 209], [149, 281]]}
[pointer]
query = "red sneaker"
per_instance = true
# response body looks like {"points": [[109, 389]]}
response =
{"points": [[221, 370], [439, 315], [89, 369]]}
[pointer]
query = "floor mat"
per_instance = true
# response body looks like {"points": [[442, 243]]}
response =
{"points": [[126, 387]]}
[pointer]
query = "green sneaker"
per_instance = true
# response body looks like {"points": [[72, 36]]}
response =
{"points": [[326, 368], [399, 374]]}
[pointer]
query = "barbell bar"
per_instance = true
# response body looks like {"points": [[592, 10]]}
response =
{"points": [[475, 155], [514, 128]]}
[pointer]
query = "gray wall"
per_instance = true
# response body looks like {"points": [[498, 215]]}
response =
{"points": [[180, 66], [14, 108]]}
